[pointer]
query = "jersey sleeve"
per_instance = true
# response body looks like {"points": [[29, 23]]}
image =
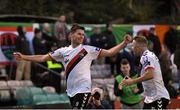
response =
{"points": [[94, 52], [57, 55], [147, 62]]}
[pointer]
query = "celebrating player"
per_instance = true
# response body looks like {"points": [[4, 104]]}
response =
{"points": [[76, 59], [156, 95]]}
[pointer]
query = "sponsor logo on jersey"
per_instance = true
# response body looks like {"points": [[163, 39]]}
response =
{"points": [[97, 49]]}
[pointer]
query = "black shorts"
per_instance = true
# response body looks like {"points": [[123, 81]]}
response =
{"points": [[80, 100], [158, 104]]}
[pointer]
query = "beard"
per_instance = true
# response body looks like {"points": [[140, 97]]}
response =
{"points": [[76, 42]]}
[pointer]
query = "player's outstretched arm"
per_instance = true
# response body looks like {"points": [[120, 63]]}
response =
{"points": [[35, 58], [114, 50], [146, 76]]}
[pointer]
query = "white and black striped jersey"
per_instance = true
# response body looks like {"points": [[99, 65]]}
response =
{"points": [[154, 88], [77, 62]]}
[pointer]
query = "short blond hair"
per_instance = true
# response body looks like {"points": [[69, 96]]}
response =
{"points": [[141, 40]]}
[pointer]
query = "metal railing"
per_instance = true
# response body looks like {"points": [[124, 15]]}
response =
{"points": [[63, 79]]}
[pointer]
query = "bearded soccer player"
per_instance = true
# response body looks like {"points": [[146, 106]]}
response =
{"points": [[76, 59]]}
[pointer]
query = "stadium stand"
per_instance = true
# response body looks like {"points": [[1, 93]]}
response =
{"points": [[23, 94]]}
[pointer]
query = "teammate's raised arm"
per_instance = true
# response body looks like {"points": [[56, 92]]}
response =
{"points": [[114, 50]]}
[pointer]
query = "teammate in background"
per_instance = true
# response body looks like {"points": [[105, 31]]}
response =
{"points": [[77, 59], [156, 95]]}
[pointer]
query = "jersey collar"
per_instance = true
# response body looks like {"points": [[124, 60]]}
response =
{"points": [[76, 47]]}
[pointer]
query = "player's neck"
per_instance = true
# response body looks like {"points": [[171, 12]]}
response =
{"points": [[143, 50], [127, 74], [75, 45]]}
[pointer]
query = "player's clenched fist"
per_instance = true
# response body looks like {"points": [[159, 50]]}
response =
{"points": [[128, 39], [18, 56]]}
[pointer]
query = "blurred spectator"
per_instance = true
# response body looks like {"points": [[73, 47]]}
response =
{"points": [[171, 38], [96, 37], [167, 73], [39, 43], [165, 65], [53, 65], [3, 70], [129, 95], [47, 35], [108, 37], [154, 41], [177, 60], [127, 54], [170, 43], [97, 100], [143, 32], [40, 47], [173, 67], [22, 45], [61, 31], [172, 91], [109, 41], [48, 78], [177, 54], [46, 30]]}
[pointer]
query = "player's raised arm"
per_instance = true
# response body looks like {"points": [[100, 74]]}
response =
{"points": [[114, 50], [34, 58]]}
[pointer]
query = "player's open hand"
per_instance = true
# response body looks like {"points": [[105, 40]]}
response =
{"points": [[18, 56]]}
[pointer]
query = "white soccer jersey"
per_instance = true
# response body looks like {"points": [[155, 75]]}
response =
{"points": [[153, 89], [77, 62]]}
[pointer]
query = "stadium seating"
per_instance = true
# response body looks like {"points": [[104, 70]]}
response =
{"points": [[54, 99], [64, 97], [37, 96], [26, 83], [24, 96], [5, 95], [13, 84], [3, 85], [35, 90], [40, 99]]}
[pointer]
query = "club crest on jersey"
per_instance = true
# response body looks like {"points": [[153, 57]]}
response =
{"points": [[81, 55], [66, 60], [97, 49], [146, 63]]}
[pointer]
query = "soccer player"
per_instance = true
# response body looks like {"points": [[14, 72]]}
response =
{"points": [[156, 95], [76, 59]]}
